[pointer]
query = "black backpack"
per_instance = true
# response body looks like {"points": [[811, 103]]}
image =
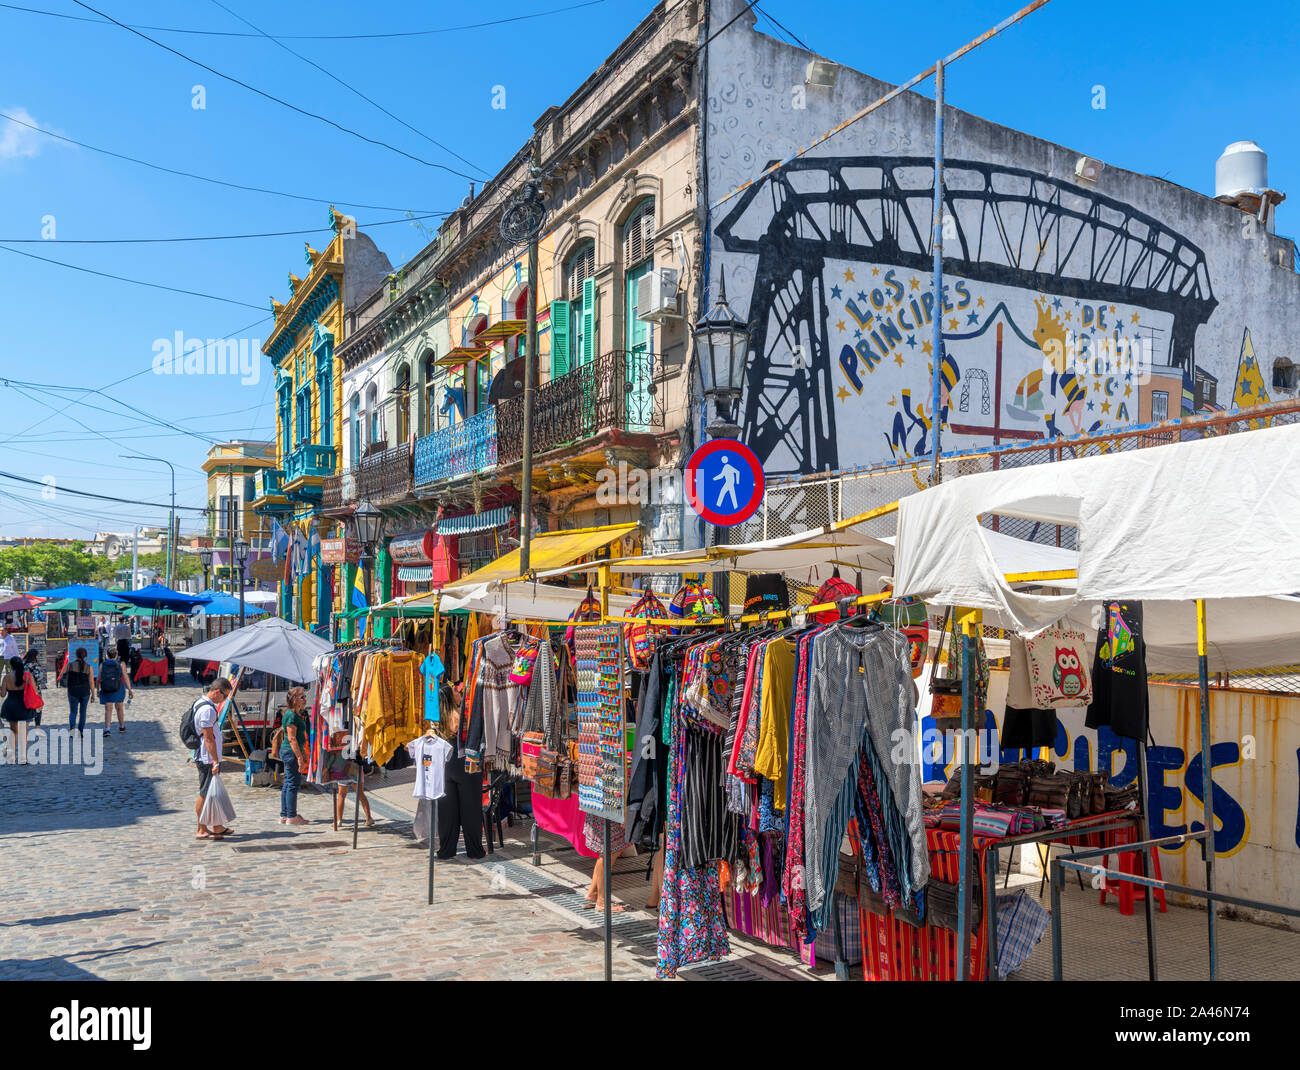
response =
{"points": [[110, 677], [189, 734]]}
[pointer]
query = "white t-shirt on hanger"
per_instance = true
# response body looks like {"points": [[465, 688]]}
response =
{"points": [[430, 755]]}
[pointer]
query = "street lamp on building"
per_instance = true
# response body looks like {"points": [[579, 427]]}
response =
{"points": [[721, 348], [367, 523], [241, 555], [205, 559]]}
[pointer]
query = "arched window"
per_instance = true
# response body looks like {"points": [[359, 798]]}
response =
{"points": [[402, 395], [573, 322], [639, 234], [354, 431], [578, 268], [372, 413], [430, 392]]}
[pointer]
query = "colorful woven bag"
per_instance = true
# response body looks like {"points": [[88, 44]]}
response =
{"points": [[640, 636], [694, 600], [834, 589]]}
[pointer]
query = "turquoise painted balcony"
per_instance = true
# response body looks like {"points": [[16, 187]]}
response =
{"points": [[269, 483], [469, 446], [310, 461]]}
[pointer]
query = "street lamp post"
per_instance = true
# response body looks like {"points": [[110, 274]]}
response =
{"points": [[241, 555], [721, 347], [171, 523], [205, 559]]}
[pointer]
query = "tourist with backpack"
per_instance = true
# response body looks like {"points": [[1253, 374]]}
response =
{"points": [[199, 734], [80, 674], [114, 689]]}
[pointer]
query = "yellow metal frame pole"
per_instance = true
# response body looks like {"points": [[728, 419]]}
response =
{"points": [[970, 622]]}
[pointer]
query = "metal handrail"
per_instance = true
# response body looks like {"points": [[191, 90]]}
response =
{"points": [[1074, 861]]}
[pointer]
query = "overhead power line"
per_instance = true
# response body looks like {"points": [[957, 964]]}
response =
{"points": [[272, 97], [101, 497], [780, 26], [350, 88], [318, 36], [206, 178], [211, 237], [123, 278]]}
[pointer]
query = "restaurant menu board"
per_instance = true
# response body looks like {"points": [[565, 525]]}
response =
{"points": [[85, 625], [34, 639], [54, 650], [602, 739]]}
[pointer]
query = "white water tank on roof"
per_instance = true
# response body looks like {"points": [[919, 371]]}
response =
{"points": [[1242, 168]]}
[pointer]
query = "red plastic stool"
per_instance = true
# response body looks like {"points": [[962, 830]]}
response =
{"points": [[1128, 892]]}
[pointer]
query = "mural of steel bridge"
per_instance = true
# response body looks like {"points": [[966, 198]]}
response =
{"points": [[1004, 226]]}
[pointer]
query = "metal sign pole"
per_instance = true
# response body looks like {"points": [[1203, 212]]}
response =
{"points": [[433, 822], [964, 874], [1207, 781], [609, 906]]}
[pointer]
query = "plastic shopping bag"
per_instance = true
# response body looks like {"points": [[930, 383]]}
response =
{"points": [[217, 807]]}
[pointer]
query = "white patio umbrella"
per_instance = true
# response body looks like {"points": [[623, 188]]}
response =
{"points": [[271, 645]]}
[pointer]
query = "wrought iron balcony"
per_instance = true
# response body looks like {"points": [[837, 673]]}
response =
{"points": [[469, 446], [332, 492], [310, 460], [269, 482], [615, 391], [386, 475]]}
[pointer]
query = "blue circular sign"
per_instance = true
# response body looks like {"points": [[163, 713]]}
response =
{"points": [[724, 482]]}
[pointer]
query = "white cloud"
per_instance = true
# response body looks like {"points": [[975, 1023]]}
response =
{"points": [[18, 141]]}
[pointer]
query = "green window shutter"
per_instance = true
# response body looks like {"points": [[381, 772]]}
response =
{"points": [[588, 321], [560, 335]]}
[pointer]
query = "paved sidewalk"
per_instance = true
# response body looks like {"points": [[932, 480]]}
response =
{"points": [[105, 880]]}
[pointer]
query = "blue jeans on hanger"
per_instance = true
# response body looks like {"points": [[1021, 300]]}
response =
{"points": [[289, 792]]}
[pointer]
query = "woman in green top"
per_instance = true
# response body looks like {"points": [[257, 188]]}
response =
{"points": [[293, 753]]}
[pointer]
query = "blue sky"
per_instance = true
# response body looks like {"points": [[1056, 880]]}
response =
{"points": [[1177, 91]]}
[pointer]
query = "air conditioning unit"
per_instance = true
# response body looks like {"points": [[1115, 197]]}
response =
{"points": [[656, 296]]}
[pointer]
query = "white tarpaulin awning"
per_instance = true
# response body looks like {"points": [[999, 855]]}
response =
{"points": [[1214, 519]]}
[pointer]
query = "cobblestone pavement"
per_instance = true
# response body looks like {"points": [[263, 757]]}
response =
{"points": [[103, 879]]}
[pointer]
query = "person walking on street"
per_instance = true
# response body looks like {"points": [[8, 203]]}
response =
{"points": [[207, 712], [32, 665], [122, 639], [293, 724], [14, 709], [8, 644], [114, 689], [81, 689]]}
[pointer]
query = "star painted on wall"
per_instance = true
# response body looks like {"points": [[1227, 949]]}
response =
{"points": [[1105, 407], [842, 394], [972, 317], [1090, 406], [1136, 318], [1069, 316], [1245, 386], [875, 272], [1112, 310], [848, 275], [841, 326], [1128, 391], [927, 348], [898, 359], [857, 333], [1056, 302], [979, 303], [893, 402], [861, 296], [836, 292], [916, 283], [911, 340], [952, 324]]}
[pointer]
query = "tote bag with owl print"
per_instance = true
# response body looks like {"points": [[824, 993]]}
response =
{"points": [[1058, 669]]}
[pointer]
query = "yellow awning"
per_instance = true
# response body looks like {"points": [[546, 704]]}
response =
{"points": [[551, 549]]}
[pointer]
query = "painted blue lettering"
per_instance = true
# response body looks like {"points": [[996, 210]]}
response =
{"points": [[849, 362], [1229, 814], [1162, 796]]}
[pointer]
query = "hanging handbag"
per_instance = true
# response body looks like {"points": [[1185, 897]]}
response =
{"points": [[1058, 669], [544, 783], [521, 669], [640, 634], [530, 746], [31, 697], [910, 617], [945, 690], [564, 778]]}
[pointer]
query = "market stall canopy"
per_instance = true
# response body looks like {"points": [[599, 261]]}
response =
{"points": [[260, 597], [270, 645], [23, 601], [547, 550], [527, 601], [819, 549], [80, 592], [1140, 521], [157, 596], [72, 605], [221, 604]]}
